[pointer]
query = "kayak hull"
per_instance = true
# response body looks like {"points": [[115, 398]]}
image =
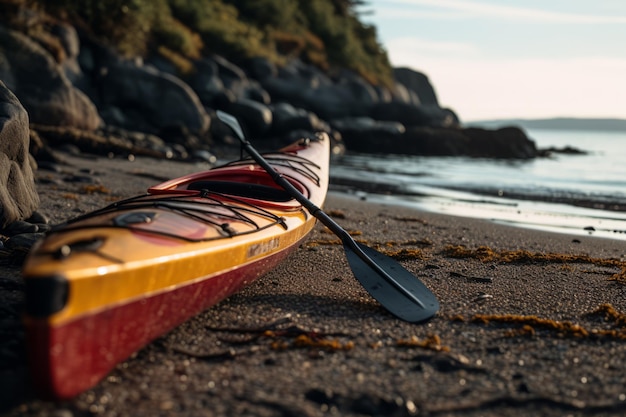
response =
{"points": [[66, 364], [102, 286]]}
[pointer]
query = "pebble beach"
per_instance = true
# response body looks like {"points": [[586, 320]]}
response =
{"points": [[531, 323]]}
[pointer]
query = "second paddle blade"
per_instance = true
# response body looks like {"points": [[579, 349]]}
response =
{"points": [[388, 294]]}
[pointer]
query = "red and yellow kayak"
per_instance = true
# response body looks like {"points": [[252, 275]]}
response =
{"points": [[101, 286]]}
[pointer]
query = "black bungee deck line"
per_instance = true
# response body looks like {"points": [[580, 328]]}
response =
{"points": [[394, 287]]}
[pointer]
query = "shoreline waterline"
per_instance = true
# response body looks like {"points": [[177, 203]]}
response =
{"points": [[580, 194], [542, 216]]}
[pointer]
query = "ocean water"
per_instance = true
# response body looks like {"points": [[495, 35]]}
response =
{"points": [[576, 194]]}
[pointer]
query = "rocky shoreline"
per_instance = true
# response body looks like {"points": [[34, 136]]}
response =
{"points": [[84, 89]]}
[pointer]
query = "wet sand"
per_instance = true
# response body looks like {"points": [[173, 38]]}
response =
{"points": [[531, 323]]}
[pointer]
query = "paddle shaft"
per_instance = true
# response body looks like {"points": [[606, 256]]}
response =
{"points": [[398, 290], [326, 220]]}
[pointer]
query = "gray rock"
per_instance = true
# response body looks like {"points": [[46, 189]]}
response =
{"points": [[287, 118], [257, 93], [331, 102], [38, 218], [23, 242], [262, 68], [18, 196], [304, 87], [362, 92], [68, 38], [255, 117], [288, 89], [400, 93], [409, 114], [361, 125], [41, 84], [509, 143], [154, 98], [296, 69], [418, 83], [233, 77], [18, 227], [206, 82]]}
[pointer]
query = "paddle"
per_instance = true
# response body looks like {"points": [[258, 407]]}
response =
{"points": [[386, 280]]}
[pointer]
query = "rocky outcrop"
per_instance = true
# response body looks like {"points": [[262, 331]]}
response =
{"points": [[18, 197], [41, 85], [86, 85], [506, 143]]}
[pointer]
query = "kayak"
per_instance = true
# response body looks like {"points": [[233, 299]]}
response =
{"points": [[103, 285]]}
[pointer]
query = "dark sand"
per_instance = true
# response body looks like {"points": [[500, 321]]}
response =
{"points": [[554, 355]]}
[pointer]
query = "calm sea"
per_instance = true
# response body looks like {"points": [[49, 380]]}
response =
{"points": [[576, 194]]}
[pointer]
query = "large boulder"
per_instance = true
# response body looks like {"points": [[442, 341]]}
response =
{"points": [[287, 118], [18, 196], [507, 142], [255, 117], [261, 68], [41, 85], [138, 97], [216, 78], [306, 87], [417, 83], [332, 101], [206, 82]]}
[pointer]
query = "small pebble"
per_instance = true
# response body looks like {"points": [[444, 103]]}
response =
{"points": [[482, 298], [38, 218]]}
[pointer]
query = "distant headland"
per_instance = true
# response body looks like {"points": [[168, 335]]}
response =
{"points": [[557, 123]]}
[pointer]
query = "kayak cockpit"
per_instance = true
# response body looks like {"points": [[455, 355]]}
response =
{"points": [[241, 189], [253, 186]]}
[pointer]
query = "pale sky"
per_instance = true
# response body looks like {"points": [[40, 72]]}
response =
{"points": [[493, 59]]}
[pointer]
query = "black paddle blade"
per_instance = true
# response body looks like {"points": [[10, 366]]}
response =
{"points": [[422, 307]]}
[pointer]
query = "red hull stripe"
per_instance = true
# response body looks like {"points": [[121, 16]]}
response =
{"points": [[75, 356]]}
